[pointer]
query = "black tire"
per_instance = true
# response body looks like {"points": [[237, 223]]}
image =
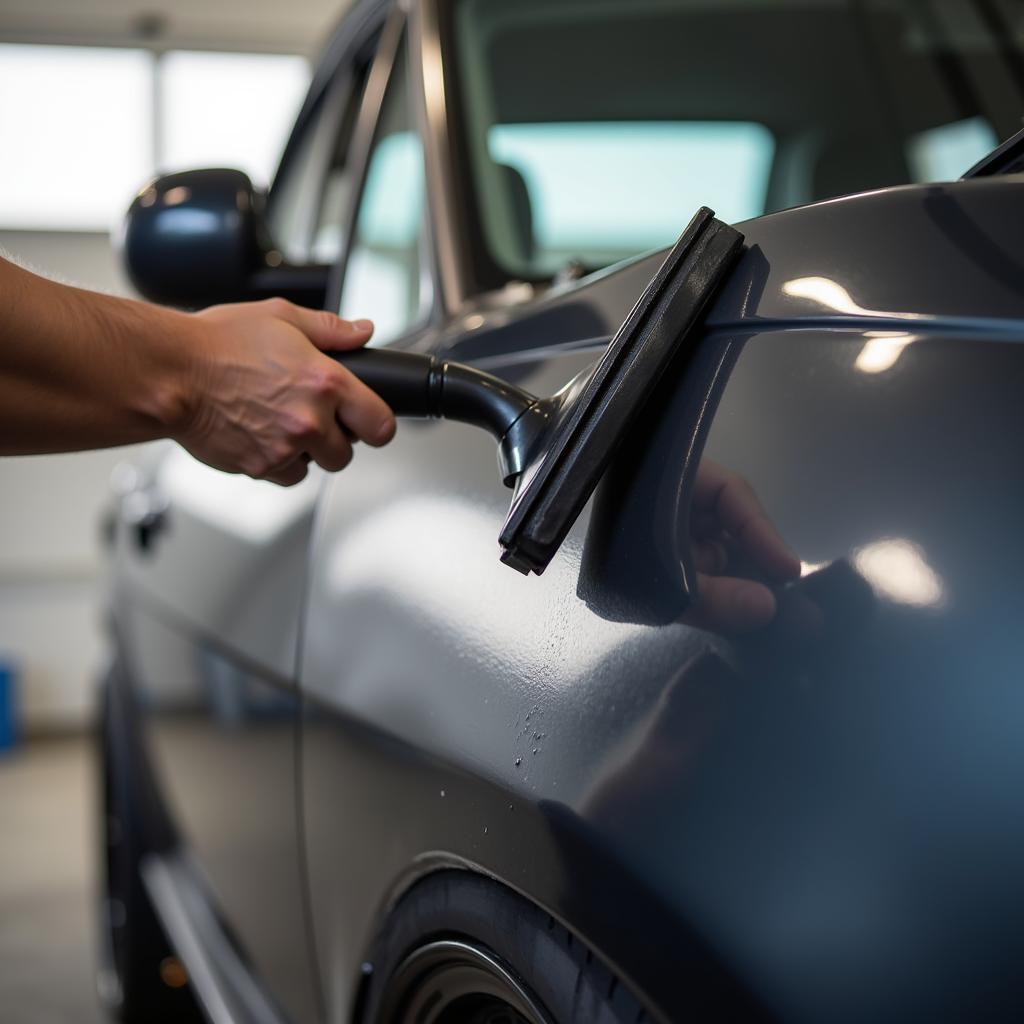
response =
{"points": [[461, 949], [139, 980]]}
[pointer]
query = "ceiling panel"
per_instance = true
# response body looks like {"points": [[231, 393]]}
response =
{"points": [[296, 26]]}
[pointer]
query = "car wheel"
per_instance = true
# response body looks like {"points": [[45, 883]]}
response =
{"points": [[461, 949], [139, 979]]}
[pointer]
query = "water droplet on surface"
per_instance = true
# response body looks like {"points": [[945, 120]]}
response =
{"points": [[511, 807], [535, 750], [519, 761], [442, 792], [485, 830]]}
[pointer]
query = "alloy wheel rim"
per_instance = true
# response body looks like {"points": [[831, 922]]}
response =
{"points": [[452, 981]]}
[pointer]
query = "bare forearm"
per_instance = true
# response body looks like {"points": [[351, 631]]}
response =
{"points": [[247, 387], [81, 370]]}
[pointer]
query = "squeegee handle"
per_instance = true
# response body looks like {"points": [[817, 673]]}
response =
{"points": [[408, 381], [420, 385]]}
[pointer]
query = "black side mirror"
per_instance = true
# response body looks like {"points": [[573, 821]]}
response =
{"points": [[196, 238]]}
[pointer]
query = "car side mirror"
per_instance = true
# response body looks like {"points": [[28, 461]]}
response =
{"points": [[196, 238]]}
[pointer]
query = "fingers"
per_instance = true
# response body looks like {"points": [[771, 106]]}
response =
{"points": [[363, 412], [728, 605], [332, 450], [739, 511], [710, 556], [360, 411], [289, 475], [326, 330]]}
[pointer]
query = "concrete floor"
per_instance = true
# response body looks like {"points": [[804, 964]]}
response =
{"points": [[47, 883]]}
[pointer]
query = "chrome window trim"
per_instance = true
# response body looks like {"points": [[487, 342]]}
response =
{"points": [[363, 135], [454, 281], [398, 41]]}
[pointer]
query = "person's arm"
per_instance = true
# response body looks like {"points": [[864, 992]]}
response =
{"points": [[245, 388]]}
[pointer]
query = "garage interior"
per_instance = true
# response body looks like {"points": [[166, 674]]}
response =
{"points": [[879, 832], [173, 73]]}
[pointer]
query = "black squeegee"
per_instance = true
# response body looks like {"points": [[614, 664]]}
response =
{"points": [[565, 470], [554, 450]]}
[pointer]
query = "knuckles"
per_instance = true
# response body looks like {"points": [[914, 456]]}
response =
{"points": [[277, 307], [328, 321], [301, 426], [327, 380], [293, 477], [270, 461]]}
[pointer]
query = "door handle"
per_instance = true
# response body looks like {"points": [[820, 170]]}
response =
{"points": [[144, 513], [552, 451]]}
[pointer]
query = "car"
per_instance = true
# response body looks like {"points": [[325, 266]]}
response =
{"points": [[743, 738]]}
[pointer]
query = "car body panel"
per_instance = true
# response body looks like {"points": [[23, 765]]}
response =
{"points": [[208, 617], [429, 667], [816, 822], [485, 719]]}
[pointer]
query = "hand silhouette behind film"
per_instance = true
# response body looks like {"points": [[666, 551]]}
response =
{"points": [[731, 535]]}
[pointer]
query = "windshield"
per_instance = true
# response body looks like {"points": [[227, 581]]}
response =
{"points": [[591, 130]]}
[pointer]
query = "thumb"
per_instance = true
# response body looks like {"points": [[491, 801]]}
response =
{"points": [[727, 604], [326, 330]]}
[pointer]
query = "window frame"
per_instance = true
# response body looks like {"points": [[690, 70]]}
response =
{"points": [[397, 42], [335, 95], [477, 270]]}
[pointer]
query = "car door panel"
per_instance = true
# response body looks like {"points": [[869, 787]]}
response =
{"points": [[210, 582], [775, 789], [208, 614], [468, 709]]}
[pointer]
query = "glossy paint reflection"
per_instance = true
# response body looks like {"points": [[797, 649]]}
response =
{"points": [[897, 569], [881, 351], [927, 255], [824, 776], [208, 615], [810, 810]]}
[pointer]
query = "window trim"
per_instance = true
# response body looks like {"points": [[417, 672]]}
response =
{"points": [[481, 272], [334, 110], [396, 44], [335, 91]]}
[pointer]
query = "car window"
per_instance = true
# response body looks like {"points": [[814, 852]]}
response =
{"points": [[385, 273], [645, 178], [943, 153], [590, 130], [312, 188]]}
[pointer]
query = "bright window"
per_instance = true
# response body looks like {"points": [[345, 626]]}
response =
{"points": [[384, 279], [76, 125], [75, 128], [603, 190], [228, 109], [945, 152]]}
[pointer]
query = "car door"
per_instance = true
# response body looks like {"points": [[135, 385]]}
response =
{"points": [[210, 579], [793, 713]]}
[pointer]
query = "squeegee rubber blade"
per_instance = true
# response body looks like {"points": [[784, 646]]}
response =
{"points": [[663, 321]]}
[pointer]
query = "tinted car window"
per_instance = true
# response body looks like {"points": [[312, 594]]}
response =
{"points": [[307, 198], [384, 274], [607, 112], [632, 172]]}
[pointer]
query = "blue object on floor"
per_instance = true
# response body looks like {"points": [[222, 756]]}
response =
{"points": [[8, 711]]}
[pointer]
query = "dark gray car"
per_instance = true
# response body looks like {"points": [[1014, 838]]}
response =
{"points": [[752, 746]]}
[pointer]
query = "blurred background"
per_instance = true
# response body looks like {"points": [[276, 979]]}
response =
{"points": [[95, 97]]}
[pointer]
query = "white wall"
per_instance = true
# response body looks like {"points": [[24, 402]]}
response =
{"points": [[49, 515], [84, 258]]}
